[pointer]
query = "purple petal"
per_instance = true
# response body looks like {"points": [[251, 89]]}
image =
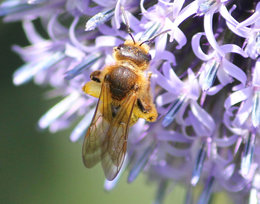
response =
{"points": [[74, 39], [179, 37], [256, 74], [227, 48], [29, 70], [193, 88], [226, 141], [74, 52], [117, 14], [82, 126], [223, 77], [208, 28], [214, 89], [234, 71], [31, 33], [203, 116], [59, 109], [165, 98], [243, 112], [237, 97], [186, 12], [195, 43]]}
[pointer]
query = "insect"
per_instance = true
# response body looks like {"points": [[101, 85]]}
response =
{"points": [[124, 96]]}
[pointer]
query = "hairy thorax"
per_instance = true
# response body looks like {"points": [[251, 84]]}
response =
{"points": [[121, 81]]}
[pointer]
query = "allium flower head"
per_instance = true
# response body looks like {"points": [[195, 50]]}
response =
{"points": [[205, 82]]}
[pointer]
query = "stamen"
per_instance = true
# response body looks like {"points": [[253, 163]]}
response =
{"points": [[90, 60], [256, 110], [206, 194], [99, 19], [150, 31], [205, 6], [153, 38], [26, 72], [10, 7], [160, 195], [247, 155], [170, 116], [198, 165], [140, 163], [212, 68]]}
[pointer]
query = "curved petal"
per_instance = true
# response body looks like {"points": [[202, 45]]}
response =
{"points": [[226, 141], [237, 97], [234, 71], [256, 74], [223, 77], [203, 116], [208, 29], [243, 113], [234, 49], [165, 98], [195, 43]]}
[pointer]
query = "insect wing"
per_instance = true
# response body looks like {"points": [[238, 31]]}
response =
{"points": [[95, 137], [106, 138], [115, 144]]}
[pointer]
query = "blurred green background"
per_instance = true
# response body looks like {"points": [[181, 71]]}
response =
{"points": [[40, 167]]}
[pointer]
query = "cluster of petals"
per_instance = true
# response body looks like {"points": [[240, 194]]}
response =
{"points": [[209, 107]]}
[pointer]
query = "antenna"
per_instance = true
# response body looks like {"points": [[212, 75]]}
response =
{"points": [[127, 23], [153, 37]]}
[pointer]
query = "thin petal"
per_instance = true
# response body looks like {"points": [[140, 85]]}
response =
{"points": [[203, 116], [59, 109], [234, 71], [208, 28], [256, 74], [195, 43], [82, 126], [227, 48], [237, 97]]}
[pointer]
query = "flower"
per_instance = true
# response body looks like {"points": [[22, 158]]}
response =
{"points": [[205, 80]]}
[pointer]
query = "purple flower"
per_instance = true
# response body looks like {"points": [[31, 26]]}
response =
{"points": [[205, 79]]}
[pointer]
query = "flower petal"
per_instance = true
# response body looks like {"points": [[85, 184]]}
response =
{"points": [[237, 97], [195, 43], [234, 71]]}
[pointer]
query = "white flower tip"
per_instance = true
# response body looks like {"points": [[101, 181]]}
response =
{"points": [[89, 26]]}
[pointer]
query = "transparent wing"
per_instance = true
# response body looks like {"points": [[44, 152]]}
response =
{"points": [[92, 145], [106, 138], [115, 144]]}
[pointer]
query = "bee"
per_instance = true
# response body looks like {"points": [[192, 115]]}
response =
{"points": [[124, 96]]}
